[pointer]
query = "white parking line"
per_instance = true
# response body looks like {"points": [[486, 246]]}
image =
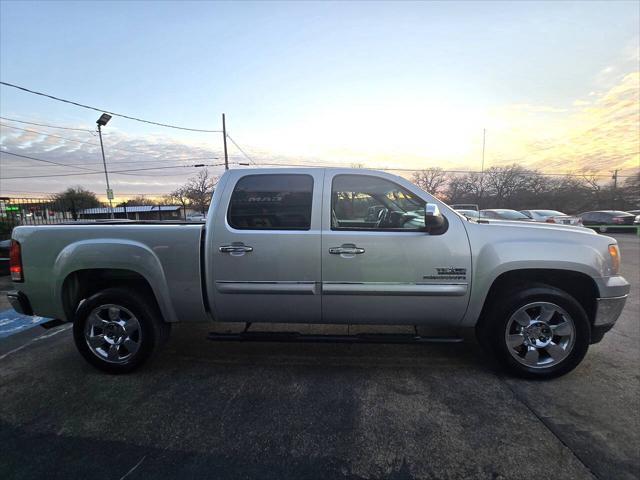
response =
{"points": [[41, 337]]}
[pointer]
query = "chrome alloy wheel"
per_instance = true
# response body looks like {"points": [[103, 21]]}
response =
{"points": [[112, 333], [540, 334]]}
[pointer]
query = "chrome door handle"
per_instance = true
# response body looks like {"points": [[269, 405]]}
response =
{"points": [[346, 250], [235, 249]]}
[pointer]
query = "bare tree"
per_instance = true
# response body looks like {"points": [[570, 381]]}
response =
{"points": [[199, 189], [503, 183], [432, 180]]}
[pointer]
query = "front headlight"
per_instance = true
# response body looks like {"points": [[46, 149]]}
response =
{"points": [[614, 253]]}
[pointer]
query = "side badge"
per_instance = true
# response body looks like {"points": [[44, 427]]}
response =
{"points": [[448, 273]]}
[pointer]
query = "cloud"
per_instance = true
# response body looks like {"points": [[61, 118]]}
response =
{"points": [[602, 135]]}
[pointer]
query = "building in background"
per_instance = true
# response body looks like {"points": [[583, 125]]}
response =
{"points": [[142, 212]]}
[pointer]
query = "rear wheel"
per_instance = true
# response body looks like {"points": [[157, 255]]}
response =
{"points": [[602, 229], [537, 332], [116, 330]]}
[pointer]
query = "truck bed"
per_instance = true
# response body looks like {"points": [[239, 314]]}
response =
{"points": [[168, 252]]}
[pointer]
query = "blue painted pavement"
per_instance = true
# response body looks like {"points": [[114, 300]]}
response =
{"points": [[12, 322]]}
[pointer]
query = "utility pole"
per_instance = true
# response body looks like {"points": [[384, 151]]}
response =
{"points": [[224, 137], [484, 136], [615, 188]]}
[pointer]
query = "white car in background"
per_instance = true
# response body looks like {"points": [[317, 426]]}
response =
{"points": [[472, 214], [552, 216], [196, 217]]}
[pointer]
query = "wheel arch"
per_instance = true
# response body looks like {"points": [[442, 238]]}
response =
{"points": [[577, 284], [81, 284], [90, 265]]}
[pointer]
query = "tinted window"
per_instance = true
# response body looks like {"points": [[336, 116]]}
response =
{"points": [[271, 202], [362, 202]]}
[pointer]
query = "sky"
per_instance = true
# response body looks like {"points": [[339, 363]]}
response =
{"points": [[386, 85]]}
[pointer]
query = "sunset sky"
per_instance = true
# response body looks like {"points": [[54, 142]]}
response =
{"points": [[391, 85]]}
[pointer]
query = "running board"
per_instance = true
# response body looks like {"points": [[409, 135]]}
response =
{"points": [[311, 338]]}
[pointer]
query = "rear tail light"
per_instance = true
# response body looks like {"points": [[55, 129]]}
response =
{"points": [[617, 220], [550, 220], [15, 262]]}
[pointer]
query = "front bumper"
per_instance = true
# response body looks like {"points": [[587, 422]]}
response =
{"points": [[19, 302], [607, 312]]}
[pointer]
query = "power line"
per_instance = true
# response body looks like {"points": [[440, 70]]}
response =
{"points": [[111, 147], [101, 110], [120, 193], [307, 165], [90, 143], [243, 152], [45, 125], [47, 161], [93, 172], [48, 134]]}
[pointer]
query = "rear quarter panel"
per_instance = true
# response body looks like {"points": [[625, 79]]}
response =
{"points": [[167, 256]]}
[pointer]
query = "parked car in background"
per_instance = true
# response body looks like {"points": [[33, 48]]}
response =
{"points": [[637, 214], [473, 214], [5, 246], [465, 206], [196, 217], [504, 214], [607, 220], [552, 216]]}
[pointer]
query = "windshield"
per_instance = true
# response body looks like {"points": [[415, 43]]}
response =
{"points": [[550, 213], [510, 214]]}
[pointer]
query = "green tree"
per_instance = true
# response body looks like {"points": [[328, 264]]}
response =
{"points": [[74, 199]]}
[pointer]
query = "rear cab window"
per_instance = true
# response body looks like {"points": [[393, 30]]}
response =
{"points": [[271, 202]]}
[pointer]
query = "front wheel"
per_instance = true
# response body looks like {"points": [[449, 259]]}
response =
{"points": [[537, 332], [117, 330], [602, 229]]}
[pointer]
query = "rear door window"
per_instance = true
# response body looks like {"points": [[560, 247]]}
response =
{"points": [[271, 202]]}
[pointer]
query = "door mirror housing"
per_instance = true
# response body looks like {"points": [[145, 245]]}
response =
{"points": [[434, 222]]}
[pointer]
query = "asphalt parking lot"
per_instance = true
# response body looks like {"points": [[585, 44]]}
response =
{"points": [[275, 411]]}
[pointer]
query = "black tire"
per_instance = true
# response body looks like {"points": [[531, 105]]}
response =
{"points": [[153, 331], [602, 229], [492, 329]]}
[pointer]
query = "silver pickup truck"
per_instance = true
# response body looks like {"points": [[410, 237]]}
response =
{"points": [[347, 246]]}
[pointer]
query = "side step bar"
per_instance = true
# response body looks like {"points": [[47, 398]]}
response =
{"points": [[311, 338]]}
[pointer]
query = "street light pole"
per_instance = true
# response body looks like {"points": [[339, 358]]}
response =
{"points": [[224, 137], [103, 120], [484, 137]]}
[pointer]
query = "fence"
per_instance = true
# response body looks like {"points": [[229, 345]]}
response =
{"points": [[33, 211], [40, 211]]}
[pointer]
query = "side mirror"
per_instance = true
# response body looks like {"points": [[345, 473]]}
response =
{"points": [[433, 219]]}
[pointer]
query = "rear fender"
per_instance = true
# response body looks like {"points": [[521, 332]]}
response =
{"points": [[113, 254]]}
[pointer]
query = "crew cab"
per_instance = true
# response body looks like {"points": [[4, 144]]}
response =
{"points": [[341, 246]]}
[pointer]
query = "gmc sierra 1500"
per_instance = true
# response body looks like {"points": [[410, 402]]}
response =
{"points": [[324, 246]]}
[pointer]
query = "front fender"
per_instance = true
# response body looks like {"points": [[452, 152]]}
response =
{"points": [[496, 258], [114, 254]]}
